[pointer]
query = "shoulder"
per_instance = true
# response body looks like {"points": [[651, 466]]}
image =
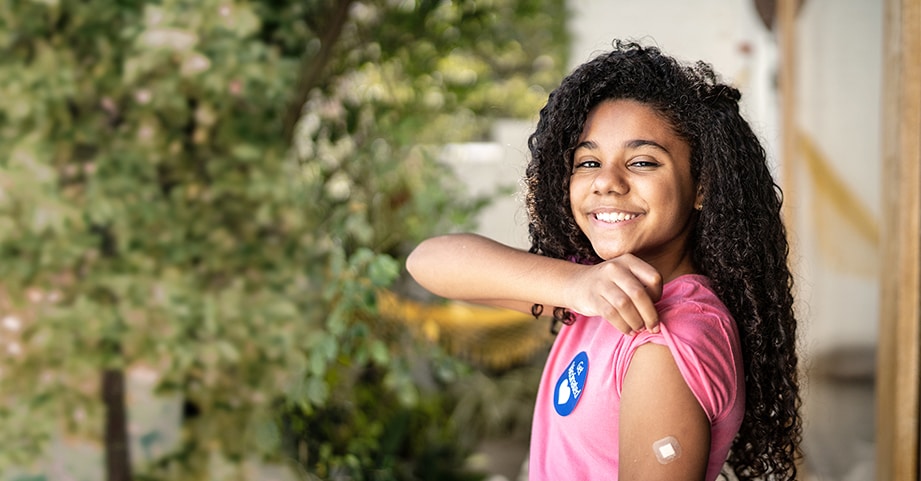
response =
{"points": [[702, 339], [693, 315], [690, 293]]}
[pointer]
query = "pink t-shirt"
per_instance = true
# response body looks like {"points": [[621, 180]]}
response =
{"points": [[574, 434]]}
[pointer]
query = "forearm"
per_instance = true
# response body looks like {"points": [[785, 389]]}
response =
{"points": [[469, 267], [473, 268]]}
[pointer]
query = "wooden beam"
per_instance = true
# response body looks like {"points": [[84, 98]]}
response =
{"points": [[897, 406], [786, 29], [785, 22]]}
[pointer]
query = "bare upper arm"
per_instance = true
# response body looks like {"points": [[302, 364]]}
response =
{"points": [[656, 402]]}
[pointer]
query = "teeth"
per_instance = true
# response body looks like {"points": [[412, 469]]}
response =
{"points": [[613, 216]]}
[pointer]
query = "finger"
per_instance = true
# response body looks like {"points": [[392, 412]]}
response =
{"points": [[614, 319], [623, 312], [645, 288], [645, 274], [633, 302]]}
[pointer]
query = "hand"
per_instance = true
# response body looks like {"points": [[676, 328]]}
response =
{"points": [[622, 290]]}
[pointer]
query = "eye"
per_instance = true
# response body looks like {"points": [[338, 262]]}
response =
{"points": [[585, 164], [643, 163]]}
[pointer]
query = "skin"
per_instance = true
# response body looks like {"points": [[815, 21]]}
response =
{"points": [[628, 163]]}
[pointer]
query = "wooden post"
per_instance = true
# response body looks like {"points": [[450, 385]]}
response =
{"points": [[117, 451], [786, 29], [897, 398]]}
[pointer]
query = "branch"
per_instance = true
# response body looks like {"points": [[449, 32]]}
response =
{"points": [[312, 68]]}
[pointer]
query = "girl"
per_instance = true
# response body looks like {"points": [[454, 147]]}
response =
{"points": [[651, 207]]}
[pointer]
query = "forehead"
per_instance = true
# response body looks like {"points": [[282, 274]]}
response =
{"points": [[625, 120]]}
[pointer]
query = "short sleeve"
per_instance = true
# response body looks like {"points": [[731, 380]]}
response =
{"points": [[704, 344]]}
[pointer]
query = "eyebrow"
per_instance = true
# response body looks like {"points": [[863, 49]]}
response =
{"points": [[630, 144], [637, 143]]}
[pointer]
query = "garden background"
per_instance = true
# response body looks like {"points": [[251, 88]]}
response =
{"points": [[201, 203]]}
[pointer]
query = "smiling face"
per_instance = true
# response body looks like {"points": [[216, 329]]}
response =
{"points": [[631, 189]]}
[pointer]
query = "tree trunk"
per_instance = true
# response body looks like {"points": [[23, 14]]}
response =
{"points": [[312, 68], [118, 459]]}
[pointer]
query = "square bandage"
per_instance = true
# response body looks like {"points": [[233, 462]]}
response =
{"points": [[666, 449]]}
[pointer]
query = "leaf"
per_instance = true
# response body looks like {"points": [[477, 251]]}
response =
{"points": [[383, 270], [317, 391], [379, 353]]}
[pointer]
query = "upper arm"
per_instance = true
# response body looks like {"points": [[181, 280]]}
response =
{"points": [[656, 402]]}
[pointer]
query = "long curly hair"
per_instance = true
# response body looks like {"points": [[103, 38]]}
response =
{"points": [[738, 241]]}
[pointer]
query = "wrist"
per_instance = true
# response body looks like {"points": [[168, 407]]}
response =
{"points": [[568, 290]]}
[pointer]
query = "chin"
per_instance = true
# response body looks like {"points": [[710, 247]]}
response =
{"points": [[608, 253]]}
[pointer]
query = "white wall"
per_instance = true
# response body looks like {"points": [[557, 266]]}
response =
{"points": [[496, 169], [838, 104], [839, 74]]}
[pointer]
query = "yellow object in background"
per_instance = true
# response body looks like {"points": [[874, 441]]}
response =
{"points": [[490, 337]]}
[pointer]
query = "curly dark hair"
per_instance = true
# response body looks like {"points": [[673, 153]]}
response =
{"points": [[739, 240]]}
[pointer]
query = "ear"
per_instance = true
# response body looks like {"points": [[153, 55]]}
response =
{"points": [[699, 199]]}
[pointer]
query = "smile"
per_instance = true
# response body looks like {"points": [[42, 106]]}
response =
{"points": [[614, 217]]}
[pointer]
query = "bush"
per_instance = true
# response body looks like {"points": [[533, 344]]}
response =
{"points": [[216, 190]]}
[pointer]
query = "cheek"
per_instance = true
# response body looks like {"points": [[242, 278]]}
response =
{"points": [[684, 190], [578, 188], [570, 198]]}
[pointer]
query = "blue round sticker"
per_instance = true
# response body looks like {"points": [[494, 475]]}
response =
{"points": [[571, 385]]}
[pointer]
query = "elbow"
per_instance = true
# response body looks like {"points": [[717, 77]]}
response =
{"points": [[427, 262], [418, 259], [412, 262], [438, 262]]}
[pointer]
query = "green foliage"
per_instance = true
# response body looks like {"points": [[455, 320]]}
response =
{"points": [[380, 434], [159, 207]]}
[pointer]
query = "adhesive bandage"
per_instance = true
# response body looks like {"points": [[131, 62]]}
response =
{"points": [[667, 449]]}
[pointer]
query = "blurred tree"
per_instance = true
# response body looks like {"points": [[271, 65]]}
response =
{"points": [[216, 190]]}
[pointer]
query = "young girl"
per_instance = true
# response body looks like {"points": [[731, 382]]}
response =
{"points": [[651, 207]]}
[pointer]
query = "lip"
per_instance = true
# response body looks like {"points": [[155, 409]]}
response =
{"points": [[613, 217]]}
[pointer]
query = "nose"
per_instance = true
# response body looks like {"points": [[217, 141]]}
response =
{"points": [[610, 180]]}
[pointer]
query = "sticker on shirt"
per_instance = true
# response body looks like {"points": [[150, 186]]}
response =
{"points": [[571, 385]]}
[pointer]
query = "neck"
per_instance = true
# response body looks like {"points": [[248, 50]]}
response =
{"points": [[672, 267]]}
